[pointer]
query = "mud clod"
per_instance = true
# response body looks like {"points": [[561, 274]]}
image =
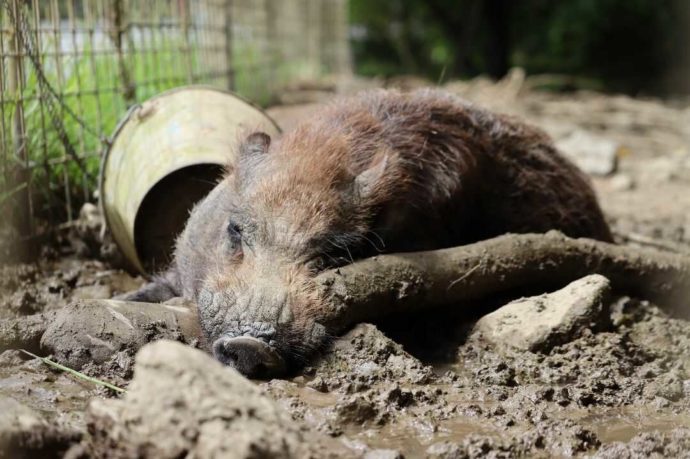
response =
{"points": [[365, 356], [183, 403], [24, 332], [649, 445], [25, 434], [95, 331]]}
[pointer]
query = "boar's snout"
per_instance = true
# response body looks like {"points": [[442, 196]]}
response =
{"points": [[250, 356], [263, 325]]}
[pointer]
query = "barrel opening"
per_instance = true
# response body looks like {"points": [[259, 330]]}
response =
{"points": [[165, 209]]}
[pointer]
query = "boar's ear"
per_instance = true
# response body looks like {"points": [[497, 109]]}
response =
{"points": [[256, 144], [366, 181]]}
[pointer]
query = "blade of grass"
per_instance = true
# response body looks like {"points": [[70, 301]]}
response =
{"points": [[75, 373]]}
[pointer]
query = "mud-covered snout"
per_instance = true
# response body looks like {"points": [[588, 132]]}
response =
{"points": [[253, 357], [262, 332]]}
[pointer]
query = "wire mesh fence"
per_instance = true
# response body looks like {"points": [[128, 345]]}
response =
{"points": [[69, 69]]}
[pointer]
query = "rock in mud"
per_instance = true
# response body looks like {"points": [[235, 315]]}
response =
{"points": [[24, 433], [182, 403], [383, 454], [93, 331], [593, 154], [622, 182], [539, 323]]}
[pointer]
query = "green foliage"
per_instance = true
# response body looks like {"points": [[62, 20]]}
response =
{"points": [[84, 81], [91, 86], [628, 45], [396, 37]]}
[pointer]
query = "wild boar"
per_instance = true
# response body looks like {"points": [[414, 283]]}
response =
{"points": [[378, 172]]}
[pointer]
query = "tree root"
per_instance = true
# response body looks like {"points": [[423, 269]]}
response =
{"points": [[373, 288]]}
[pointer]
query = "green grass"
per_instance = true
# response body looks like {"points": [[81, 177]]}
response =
{"points": [[75, 373], [93, 89]]}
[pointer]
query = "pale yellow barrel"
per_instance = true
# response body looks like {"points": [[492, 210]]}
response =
{"points": [[165, 155]]}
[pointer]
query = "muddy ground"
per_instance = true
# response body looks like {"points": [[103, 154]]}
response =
{"points": [[425, 386]]}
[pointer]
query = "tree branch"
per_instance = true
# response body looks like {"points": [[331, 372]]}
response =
{"points": [[387, 284]]}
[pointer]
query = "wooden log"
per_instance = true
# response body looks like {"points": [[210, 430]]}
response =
{"points": [[394, 283]]}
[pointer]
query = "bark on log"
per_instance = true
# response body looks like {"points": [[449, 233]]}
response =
{"points": [[386, 284]]}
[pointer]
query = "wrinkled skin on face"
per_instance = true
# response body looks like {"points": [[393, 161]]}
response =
{"points": [[379, 172], [283, 221]]}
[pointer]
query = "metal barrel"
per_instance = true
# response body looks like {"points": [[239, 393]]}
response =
{"points": [[165, 155]]}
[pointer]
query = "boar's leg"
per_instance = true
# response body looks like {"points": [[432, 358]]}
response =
{"points": [[162, 288]]}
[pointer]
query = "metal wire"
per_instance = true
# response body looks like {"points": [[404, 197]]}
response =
{"points": [[70, 68], [53, 100]]}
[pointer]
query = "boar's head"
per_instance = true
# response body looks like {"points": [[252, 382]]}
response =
{"points": [[251, 249]]}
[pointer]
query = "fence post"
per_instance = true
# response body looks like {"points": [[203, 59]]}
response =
{"points": [[272, 40], [20, 173], [313, 36], [335, 53], [230, 67], [119, 24]]}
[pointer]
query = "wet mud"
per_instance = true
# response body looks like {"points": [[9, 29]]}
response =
{"points": [[416, 386]]}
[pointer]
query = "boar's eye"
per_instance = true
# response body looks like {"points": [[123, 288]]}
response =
{"points": [[235, 233]]}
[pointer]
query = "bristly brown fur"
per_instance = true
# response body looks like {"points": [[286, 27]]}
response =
{"points": [[455, 173], [378, 172]]}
